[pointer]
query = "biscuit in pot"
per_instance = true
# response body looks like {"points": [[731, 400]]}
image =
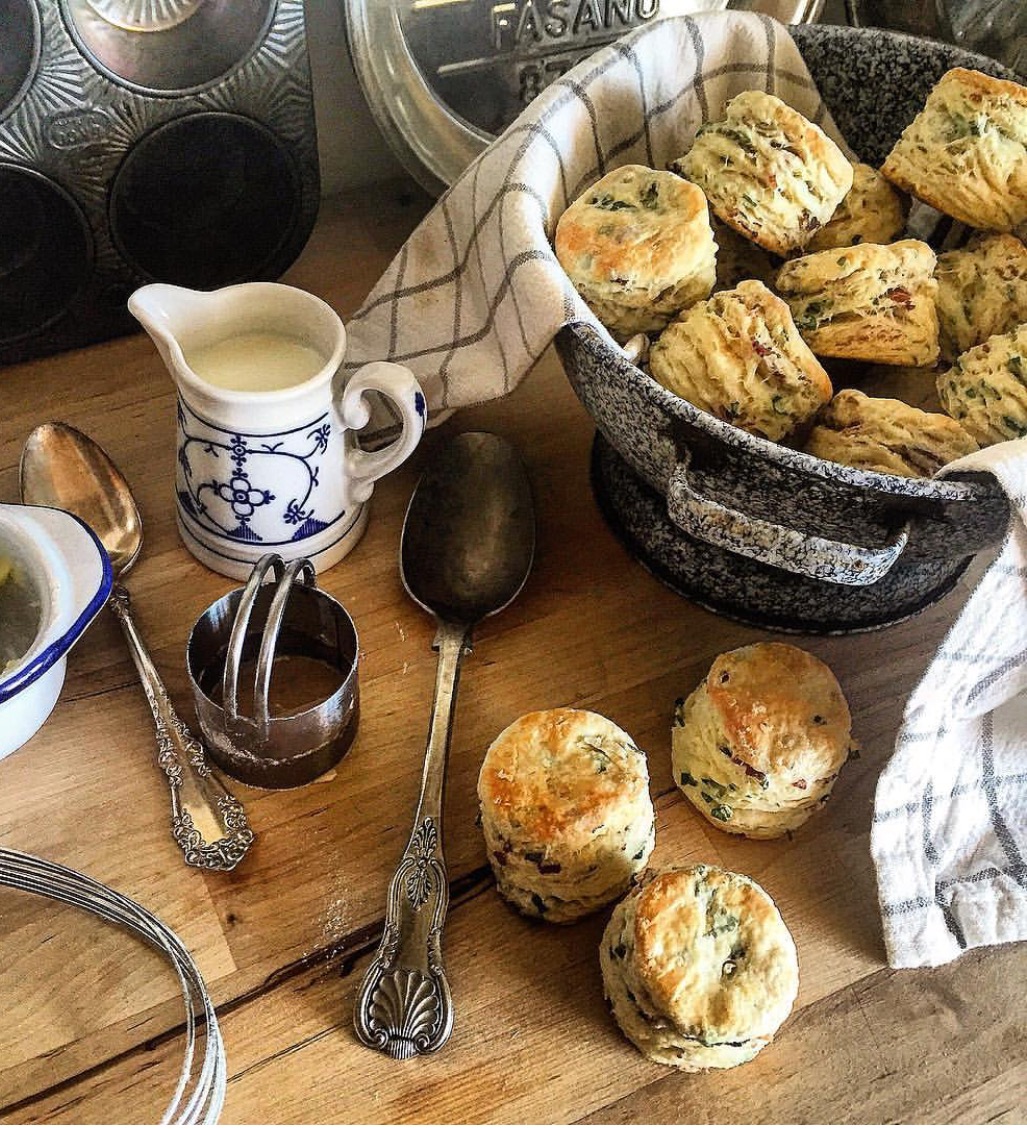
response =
{"points": [[887, 436], [638, 248], [872, 212], [986, 389], [768, 172], [965, 153], [739, 356], [699, 968], [982, 290], [873, 302], [757, 746], [566, 812]]}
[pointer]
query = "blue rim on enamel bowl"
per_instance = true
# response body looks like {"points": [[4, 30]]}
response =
{"points": [[24, 676]]}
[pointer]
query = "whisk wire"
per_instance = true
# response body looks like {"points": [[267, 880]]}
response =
{"points": [[194, 1102]]}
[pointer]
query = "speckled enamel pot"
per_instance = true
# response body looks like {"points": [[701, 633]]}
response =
{"points": [[755, 530]]}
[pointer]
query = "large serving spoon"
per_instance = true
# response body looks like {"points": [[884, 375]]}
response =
{"points": [[63, 468], [467, 547]]}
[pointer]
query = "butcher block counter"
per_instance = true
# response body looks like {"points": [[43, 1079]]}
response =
{"points": [[92, 1028]]}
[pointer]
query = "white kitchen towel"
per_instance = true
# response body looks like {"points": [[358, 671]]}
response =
{"points": [[949, 836], [476, 294]]}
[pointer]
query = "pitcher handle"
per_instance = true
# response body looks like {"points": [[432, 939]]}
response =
{"points": [[398, 385]]}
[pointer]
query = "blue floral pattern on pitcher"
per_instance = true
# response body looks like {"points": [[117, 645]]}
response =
{"points": [[264, 488]]}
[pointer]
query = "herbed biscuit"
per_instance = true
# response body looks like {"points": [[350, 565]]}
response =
{"points": [[982, 290], [638, 248], [739, 356], [768, 172], [566, 812], [757, 746], [889, 436], [986, 389], [872, 212], [874, 302], [699, 968], [965, 153]]}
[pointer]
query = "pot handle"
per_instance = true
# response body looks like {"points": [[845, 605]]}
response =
{"points": [[819, 558]]}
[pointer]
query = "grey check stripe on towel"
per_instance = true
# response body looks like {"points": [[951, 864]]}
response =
{"points": [[476, 294], [950, 826]]}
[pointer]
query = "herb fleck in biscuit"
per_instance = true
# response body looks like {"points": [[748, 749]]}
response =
{"points": [[888, 436], [872, 212], [965, 153], [986, 389], [739, 357], [758, 744], [699, 968], [982, 290], [638, 248], [768, 172], [873, 302], [566, 813]]}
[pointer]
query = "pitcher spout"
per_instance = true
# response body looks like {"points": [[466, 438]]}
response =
{"points": [[165, 311]]}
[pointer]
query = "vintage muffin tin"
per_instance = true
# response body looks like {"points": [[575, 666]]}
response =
{"points": [[144, 140]]}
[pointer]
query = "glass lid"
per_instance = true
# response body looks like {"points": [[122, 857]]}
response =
{"points": [[443, 77]]}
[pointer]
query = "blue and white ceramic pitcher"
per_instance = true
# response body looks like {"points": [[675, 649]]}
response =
{"points": [[267, 456]]}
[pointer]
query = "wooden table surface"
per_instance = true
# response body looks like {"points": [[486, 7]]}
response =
{"points": [[92, 1019]]}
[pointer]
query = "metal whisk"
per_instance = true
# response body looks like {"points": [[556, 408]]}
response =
{"points": [[200, 1092]]}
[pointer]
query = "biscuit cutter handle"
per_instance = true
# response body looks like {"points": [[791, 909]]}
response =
{"points": [[806, 554]]}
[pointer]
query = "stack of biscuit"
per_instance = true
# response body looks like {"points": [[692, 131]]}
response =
{"points": [[566, 813], [699, 968], [757, 746]]}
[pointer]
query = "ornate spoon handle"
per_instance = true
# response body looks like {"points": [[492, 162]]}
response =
{"points": [[208, 822], [404, 1007]]}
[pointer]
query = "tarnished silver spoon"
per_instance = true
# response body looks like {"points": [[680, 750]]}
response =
{"points": [[63, 468], [467, 547]]}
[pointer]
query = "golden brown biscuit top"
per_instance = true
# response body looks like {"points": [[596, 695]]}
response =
{"points": [[714, 954], [560, 774], [977, 82], [632, 213], [865, 267], [773, 699], [809, 142], [976, 110]]}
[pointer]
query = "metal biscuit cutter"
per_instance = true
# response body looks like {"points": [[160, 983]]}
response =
{"points": [[301, 646]]}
